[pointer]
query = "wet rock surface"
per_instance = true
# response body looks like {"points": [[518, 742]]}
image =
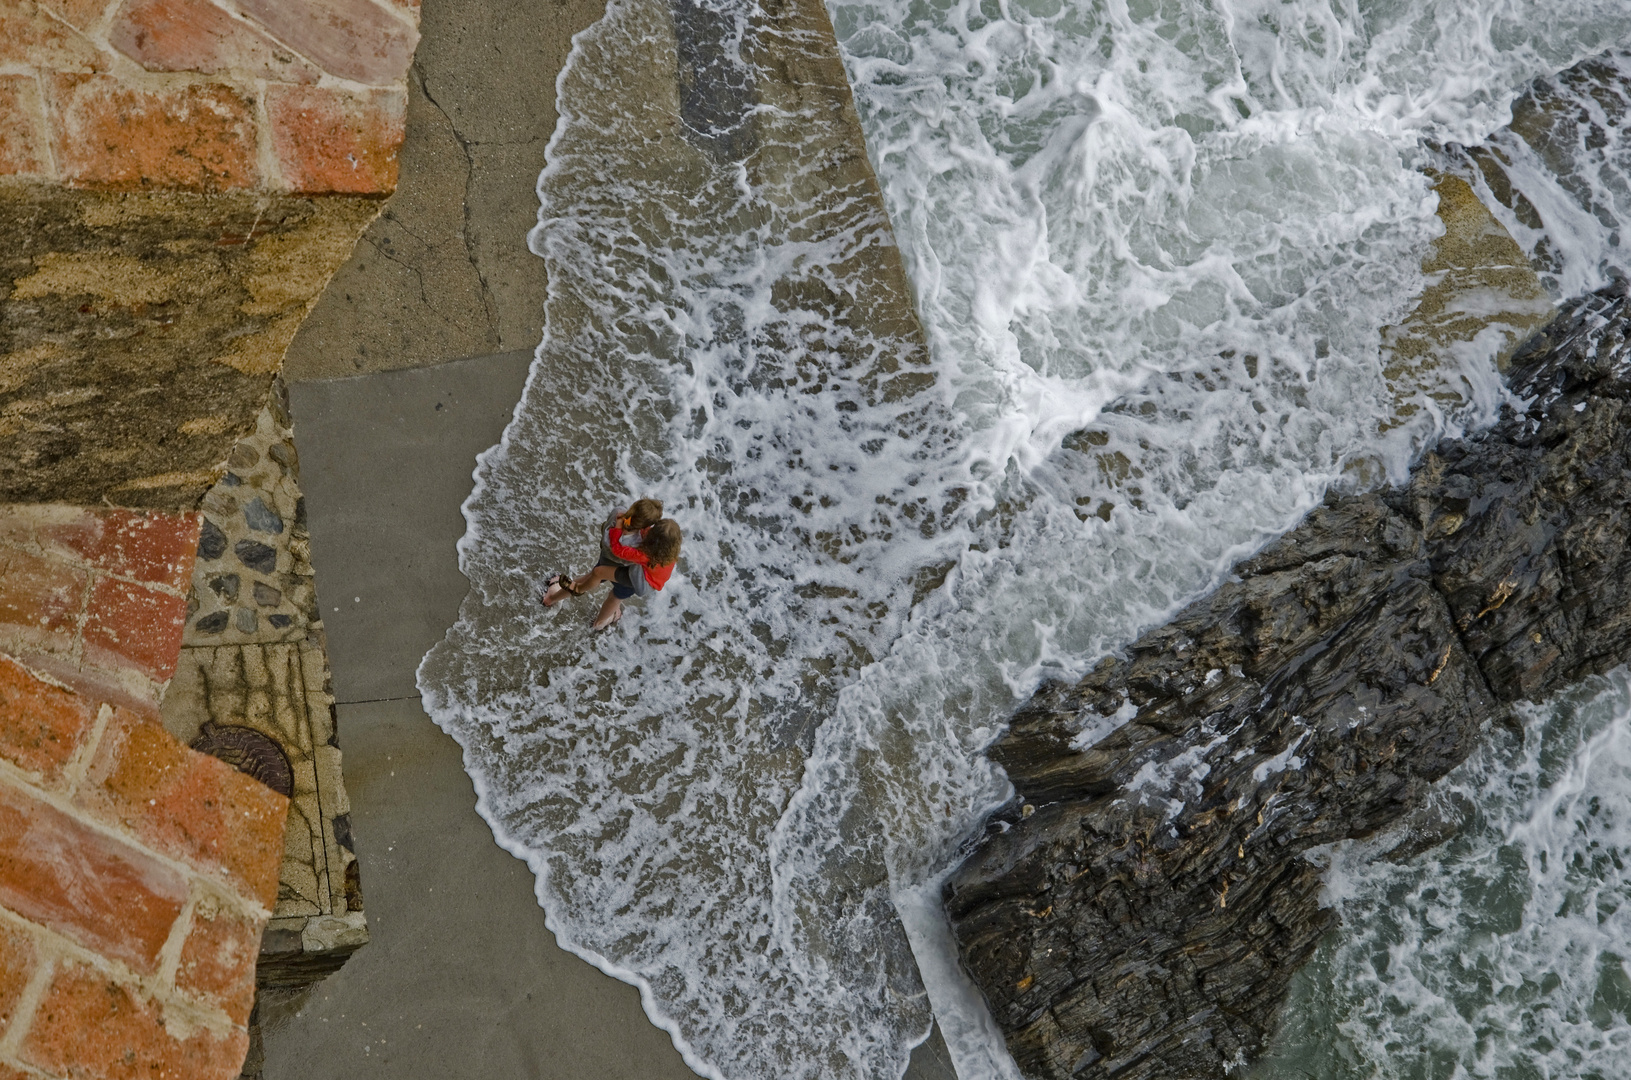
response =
{"points": [[1140, 908]]}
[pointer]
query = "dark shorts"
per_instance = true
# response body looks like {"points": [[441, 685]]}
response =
{"points": [[622, 584]]}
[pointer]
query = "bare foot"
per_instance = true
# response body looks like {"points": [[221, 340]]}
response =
{"points": [[555, 591], [610, 612]]}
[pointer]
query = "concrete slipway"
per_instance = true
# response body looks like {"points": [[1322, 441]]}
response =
{"points": [[409, 366]]}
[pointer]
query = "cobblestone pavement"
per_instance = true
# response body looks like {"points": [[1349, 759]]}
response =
{"points": [[253, 687]]}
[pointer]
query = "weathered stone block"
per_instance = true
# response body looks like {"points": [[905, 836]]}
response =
{"points": [[29, 35], [140, 626], [218, 959], [108, 896], [354, 39], [22, 128], [329, 141], [91, 1026], [40, 598], [41, 726], [158, 549], [187, 805], [82, 15], [16, 968], [196, 35], [138, 332], [196, 137]]}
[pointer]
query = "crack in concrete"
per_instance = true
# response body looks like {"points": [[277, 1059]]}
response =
{"points": [[487, 302], [418, 275]]}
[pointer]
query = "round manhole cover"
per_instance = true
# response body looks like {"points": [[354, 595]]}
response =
{"points": [[250, 753]]}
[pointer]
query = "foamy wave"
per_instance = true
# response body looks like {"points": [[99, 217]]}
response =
{"points": [[1153, 247], [1502, 953]]}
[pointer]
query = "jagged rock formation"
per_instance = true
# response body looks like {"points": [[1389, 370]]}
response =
{"points": [[1140, 909]]}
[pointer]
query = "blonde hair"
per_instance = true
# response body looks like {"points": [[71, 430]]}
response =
{"points": [[661, 543], [644, 513]]}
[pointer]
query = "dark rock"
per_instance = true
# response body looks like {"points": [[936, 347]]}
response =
{"points": [[246, 620], [342, 831], [213, 623], [1140, 908], [225, 585], [266, 595], [212, 542], [260, 517], [280, 622], [284, 454], [256, 555], [278, 402]]}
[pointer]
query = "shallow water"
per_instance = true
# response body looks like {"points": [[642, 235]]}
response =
{"points": [[1503, 952], [1153, 246]]}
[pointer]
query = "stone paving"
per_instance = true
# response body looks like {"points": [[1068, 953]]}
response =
{"points": [[252, 686]]}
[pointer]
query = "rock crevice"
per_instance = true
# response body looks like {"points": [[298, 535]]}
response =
{"points": [[1140, 908]]}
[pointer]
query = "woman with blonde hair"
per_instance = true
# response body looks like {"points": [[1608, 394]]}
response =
{"points": [[644, 559]]}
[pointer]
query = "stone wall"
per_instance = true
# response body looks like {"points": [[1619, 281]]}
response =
{"points": [[253, 685], [178, 181], [136, 875]]}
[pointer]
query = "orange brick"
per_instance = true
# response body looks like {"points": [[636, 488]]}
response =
{"points": [[9, 1073], [90, 1027], [134, 626], [96, 684], [195, 35], [354, 39], [29, 35], [188, 805], [108, 896], [200, 137], [16, 968], [149, 546], [218, 960], [39, 596], [330, 141], [22, 128], [40, 725], [33, 523]]}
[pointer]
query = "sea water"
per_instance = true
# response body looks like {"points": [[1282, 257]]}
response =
{"points": [[1154, 246]]}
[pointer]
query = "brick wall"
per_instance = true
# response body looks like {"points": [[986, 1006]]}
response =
{"points": [[97, 598], [136, 875], [303, 96], [179, 179]]}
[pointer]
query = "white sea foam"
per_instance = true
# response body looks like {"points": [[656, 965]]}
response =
{"points": [[1503, 953], [1153, 246]]}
